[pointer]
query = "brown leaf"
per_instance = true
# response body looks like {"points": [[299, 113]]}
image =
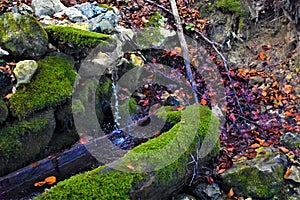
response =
{"points": [[266, 47], [230, 193], [50, 180], [283, 149], [39, 184], [287, 173]]}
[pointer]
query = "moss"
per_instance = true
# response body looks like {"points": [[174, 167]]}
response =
{"points": [[156, 20], [3, 111], [11, 136], [77, 107], [234, 6], [76, 36], [105, 6], [104, 183], [52, 85], [108, 185]]}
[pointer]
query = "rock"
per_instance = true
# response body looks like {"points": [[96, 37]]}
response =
{"points": [[47, 20], [104, 23], [208, 192], [46, 7], [295, 174], [22, 141], [290, 140], [22, 36], [86, 9], [3, 52], [260, 178], [75, 15], [3, 111], [184, 197], [24, 71], [5, 83], [22, 9]]}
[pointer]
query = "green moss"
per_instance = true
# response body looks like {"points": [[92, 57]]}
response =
{"points": [[105, 6], [234, 6], [3, 111], [76, 36], [108, 185], [11, 136], [112, 184], [156, 20], [52, 85], [77, 107]]}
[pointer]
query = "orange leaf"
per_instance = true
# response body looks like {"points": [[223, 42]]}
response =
{"points": [[50, 180], [220, 171], [39, 184], [262, 55], [129, 166], [264, 93], [283, 149], [255, 146], [287, 89], [230, 193], [287, 173], [8, 96], [203, 102]]}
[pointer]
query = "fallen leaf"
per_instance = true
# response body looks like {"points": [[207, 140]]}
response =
{"points": [[287, 89], [287, 173], [129, 166], [220, 171], [283, 149], [230, 193], [8, 96], [262, 55], [50, 180], [266, 47], [39, 184], [255, 146]]}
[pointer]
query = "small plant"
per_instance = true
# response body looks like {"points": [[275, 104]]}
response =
{"points": [[234, 6], [190, 27]]}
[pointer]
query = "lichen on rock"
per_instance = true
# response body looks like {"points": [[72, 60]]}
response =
{"points": [[24, 71]]}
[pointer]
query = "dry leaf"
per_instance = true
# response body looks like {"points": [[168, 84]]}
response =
{"points": [[129, 166], [283, 149], [39, 184], [255, 146], [230, 193], [50, 180], [287, 173]]}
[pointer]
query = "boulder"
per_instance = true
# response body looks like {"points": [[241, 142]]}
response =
{"points": [[104, 23], [259, 178], [290, 140], [75, 15], [51, 86], [22, 141], [22, 36], [208, 192], [46, 7], [24, 71]]}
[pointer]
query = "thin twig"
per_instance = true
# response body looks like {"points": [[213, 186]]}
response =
{"points": [[185, 52]]}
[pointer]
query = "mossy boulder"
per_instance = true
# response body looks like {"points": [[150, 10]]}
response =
{"points": [[22, 35], [3, 111], [259, 178], [129, 178], [51, 86], [21, 142]]}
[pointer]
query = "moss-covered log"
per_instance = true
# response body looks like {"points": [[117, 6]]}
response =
{"points": [[153, 170]]}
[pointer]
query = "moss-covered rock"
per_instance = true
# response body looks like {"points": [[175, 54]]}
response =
{"points": [[22, 141], [3, 111], [260, 178], [22, 35], [74, 36], [108, 183], [52, 85], [234, 6]]}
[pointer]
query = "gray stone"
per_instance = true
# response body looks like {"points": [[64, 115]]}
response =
{"points": [[184, 197], [260, 178], [86, 9], [75, 15], [46, 7], [3, 52], [98, 10], [24, 71], [208, 192], [22, 9], [290, 140], [22, 36], [104, 23]]}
